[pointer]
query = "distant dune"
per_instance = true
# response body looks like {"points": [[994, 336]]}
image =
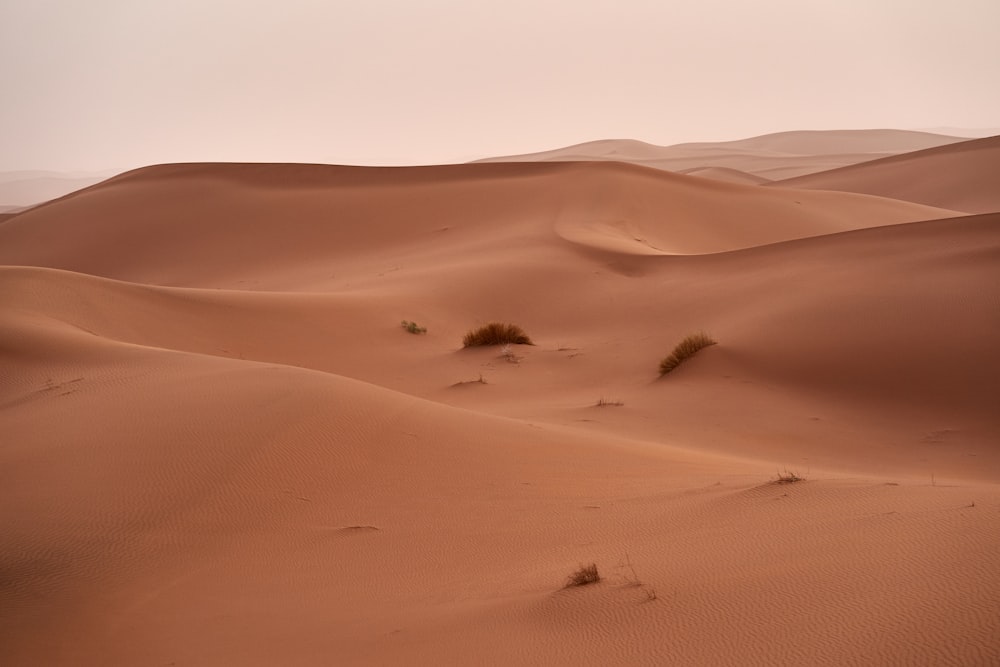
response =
{"points": [[725, 174], [219, 446], [821, 142], [963, 177], [770, 156], [968, 133], [27, 188]]}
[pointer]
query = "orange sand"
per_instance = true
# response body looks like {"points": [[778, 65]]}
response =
{"points": [[220, 447]]}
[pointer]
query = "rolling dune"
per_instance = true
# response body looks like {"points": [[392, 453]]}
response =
{"points": [[770, 156], [962, 177], [726, 174], [220, 447], [218, 225]]}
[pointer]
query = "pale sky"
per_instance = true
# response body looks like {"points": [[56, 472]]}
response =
{"points": [[115, 84]]}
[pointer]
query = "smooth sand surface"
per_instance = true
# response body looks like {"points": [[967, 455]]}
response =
{"points": [[963, 177], [219, 446], [771, 156], [726, 174]]}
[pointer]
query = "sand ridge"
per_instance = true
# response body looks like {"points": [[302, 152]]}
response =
{"points": [[964, 177]]}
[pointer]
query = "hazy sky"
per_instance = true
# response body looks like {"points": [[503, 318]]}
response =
{"points": [[101, 84]]}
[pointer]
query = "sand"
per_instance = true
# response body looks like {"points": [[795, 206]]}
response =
{"points": [[781, 155], [219, 446], [963, 177]]}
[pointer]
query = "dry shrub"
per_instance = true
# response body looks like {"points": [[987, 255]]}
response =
{"points": [[413, 327], [587, 574], [788, 477], [685, 350], [496, 333]]}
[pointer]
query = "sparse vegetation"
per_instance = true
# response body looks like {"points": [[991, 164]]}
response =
{"points": [[631, 578], [788, 477], [507, 353], [587, 574], [685, 350], [413, 327], [609, 402], [496, 333], [479, 380], [628, 572]]}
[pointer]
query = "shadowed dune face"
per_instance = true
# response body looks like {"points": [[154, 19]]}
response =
{"points": [[218, 446], [961, 176]]}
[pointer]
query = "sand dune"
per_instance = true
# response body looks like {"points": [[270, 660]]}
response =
{"points": [[819, 142], [237, 225], [962, 176], [726, 174], [220, 447], [770, 156]]}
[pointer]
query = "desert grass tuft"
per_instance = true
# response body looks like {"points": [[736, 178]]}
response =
{"points": [[788, 477], [413, 327], [587, 574], [479, 380], [609, 402], [685, 350], [496, 333]]}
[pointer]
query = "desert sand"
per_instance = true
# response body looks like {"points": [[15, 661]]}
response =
{"points": [[776, 156], [219, 446], [963, 176]]}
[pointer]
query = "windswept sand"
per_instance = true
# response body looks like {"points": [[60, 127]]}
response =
{"points": [[220, 447], [726, 174], [963, 177]]}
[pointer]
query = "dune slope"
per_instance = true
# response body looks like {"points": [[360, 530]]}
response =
{"points": [[228, 225], [219, 446], [962, 177]]}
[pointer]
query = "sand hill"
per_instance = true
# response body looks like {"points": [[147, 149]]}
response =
{"points": [[219, 446], [771, 156], [963, 177]]}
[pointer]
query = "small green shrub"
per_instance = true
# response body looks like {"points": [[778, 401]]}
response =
{"points": [[685, 350], [413, 328], [496, 333], [587, 574]]}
